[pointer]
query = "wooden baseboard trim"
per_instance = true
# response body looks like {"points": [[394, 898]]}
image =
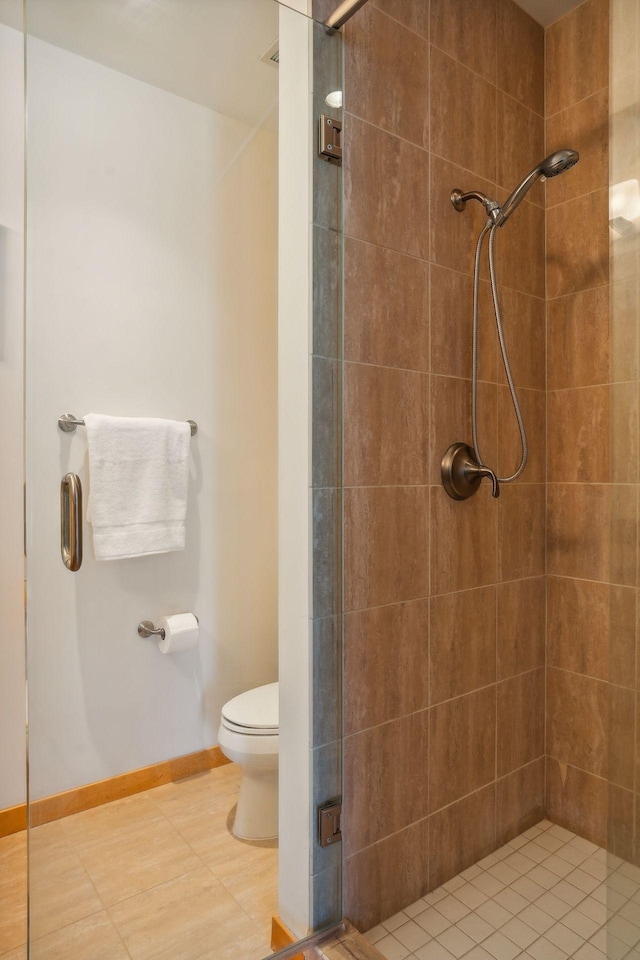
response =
{"points": [[14, 819], [282, 937]]}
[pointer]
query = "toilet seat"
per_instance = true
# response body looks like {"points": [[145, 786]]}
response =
{"points": [[248, 731], [253, 713]]}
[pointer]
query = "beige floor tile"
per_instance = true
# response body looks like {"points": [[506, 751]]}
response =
{"points": [[93, 938], [131, 849], [190, 918], [13, 892], [61, 890], [20, 953], [207, 828], [253, 884], [183, 794], [100, 821]]}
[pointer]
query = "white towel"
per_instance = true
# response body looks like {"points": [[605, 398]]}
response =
{"points": [[138, 479]]}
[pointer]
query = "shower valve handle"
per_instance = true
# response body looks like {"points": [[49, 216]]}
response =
{"points": [[461, 473], [474, 469]]}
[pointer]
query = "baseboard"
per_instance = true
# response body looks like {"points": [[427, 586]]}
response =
{"points": [[282, 937], [14, 819]]}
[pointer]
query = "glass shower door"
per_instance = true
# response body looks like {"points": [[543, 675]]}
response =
{"points": [[154, 221]]}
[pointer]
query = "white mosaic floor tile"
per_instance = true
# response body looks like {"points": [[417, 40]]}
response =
{"points": [[558, 866], [476, 927], [376, 933], [534, 851], [412, 935], [518, 931], [487, 884], [583, 880], [581, 924], [567, 892], [553, 905], [631, 912], [588, 952], [478, 953], [470, 896], [452, 908], [543, 949], [576, 857], [621, 884], [451, 885], [433, 951], [500, 947], [415, 908], [494, 914], [536, 918], [528, 888], [432, 921], [395, 921], [593, 909], [511, 900], [456, 941], [545, 895], [549, 841], [564, 938], [391, 948], [627, 932], [543, 877], [518, 862]]}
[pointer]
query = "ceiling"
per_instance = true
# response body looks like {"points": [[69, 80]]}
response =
{"points": [[204, 50], [547, 12]]}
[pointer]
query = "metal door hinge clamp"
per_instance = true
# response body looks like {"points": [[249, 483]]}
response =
{"points": [[329, 829], [330, 139]]}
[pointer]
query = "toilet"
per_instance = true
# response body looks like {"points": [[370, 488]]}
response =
{"points": [[248, 735]]}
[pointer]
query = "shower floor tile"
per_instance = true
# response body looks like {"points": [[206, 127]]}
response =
{"points": [[546, 895], [154, 876]]}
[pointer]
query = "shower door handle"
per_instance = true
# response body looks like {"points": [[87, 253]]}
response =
{"points": [[71, 521]]}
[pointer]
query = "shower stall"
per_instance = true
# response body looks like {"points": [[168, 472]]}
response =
{"points": [[272, 221]]}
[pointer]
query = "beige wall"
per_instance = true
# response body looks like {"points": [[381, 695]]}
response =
{"points": [[444, 601]]}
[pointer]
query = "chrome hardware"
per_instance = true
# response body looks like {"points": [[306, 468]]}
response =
{"points": [[459, 201], [329, 829], [68, 423], [343, 12], [462, 474], [330, 139], [71, 521], [147, 629]]}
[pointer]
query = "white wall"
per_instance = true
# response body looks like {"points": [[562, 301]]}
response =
{"points": [[12, 685], [151, 291]]}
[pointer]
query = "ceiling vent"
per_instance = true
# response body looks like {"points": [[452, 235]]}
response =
{"points": [[272, 54]]}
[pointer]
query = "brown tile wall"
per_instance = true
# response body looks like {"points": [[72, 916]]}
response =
{"points": [[444, 601], [591, 458]]}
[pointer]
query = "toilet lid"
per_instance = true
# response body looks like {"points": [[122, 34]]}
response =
{"points": [[254, 710]]}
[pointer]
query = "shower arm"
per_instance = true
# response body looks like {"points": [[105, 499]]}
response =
{"points": [[493, 208]]}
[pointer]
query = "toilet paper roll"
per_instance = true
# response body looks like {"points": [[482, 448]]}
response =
{"points": [[180, 633]]}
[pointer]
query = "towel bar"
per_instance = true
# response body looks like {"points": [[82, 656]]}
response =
{"points": [[68, 423]]}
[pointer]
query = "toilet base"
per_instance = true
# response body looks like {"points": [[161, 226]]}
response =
{"points": [[257, 811]]}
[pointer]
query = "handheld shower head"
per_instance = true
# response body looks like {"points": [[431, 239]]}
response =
{"points": [[553, 165], [558, 162]]}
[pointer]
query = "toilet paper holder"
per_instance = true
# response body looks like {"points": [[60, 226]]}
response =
{"points": [[147, 629]]}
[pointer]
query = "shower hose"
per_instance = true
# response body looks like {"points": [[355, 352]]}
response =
{"points": [[491, 228]]}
